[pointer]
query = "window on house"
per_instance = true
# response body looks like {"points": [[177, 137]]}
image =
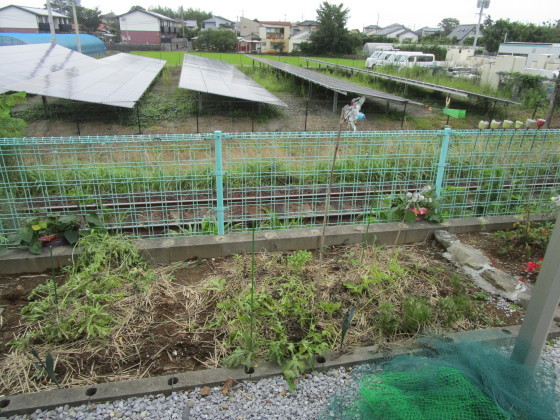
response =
{"points": [[274, 33]]}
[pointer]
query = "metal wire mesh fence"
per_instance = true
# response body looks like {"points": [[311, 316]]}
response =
{"points": [[197, 184]]}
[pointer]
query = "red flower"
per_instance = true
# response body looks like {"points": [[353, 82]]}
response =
{"points": [[544, 232], [531, 266], [421, 210], [521, 280], [541, 259]]}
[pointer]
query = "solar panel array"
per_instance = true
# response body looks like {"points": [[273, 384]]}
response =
{"points": [[331, 83], [118, 80], [19, 63], [418, 83], [220, 78]]}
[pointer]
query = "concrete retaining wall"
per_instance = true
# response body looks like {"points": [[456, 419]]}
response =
{"points": [[164, 251]]}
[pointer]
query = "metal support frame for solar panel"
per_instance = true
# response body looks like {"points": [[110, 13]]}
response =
{"points": [[217, 77], [332, 83], [119, 80], [417, 83], [19, 63]]}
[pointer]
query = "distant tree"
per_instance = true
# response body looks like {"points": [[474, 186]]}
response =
{"points": [[196, 14], [133, 8], [448, 24], [88, 19], [494, 33], [331, 36], [60, 6], [166, 11], [278, 45], [222, 40]]}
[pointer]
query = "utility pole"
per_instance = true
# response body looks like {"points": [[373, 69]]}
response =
{"points": [[483, 4], [553, 100], [76, 27], [51, 23]]}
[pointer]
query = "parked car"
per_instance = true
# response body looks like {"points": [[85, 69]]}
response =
{"points": [[416, 59], [377, 55]]}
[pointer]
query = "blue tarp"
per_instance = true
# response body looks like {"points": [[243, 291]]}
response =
{"points": [[91, 45]]}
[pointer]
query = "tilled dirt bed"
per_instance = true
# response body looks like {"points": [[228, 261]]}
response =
{"points": [[173, 328]]}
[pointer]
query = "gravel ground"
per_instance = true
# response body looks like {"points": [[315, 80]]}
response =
{"points": [[266, 399]]}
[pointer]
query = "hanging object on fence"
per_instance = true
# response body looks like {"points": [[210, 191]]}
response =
{"points": [[455, 113], [351, 113], [507, 124], [495, 124]]}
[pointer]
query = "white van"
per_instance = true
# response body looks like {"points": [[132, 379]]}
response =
{"points": [[372, 60], [418, 59]]}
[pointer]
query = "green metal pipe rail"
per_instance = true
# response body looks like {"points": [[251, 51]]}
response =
{"points": [[215, 183]]}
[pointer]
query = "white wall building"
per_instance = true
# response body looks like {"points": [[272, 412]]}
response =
{"points": [[145, 27], [31, 20]]}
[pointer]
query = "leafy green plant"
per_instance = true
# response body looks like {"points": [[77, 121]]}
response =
{"points": [[298, 259], [422, 204], [39, 230], [374, 276], [108, 269], [387, 321], [527, 234], [274, 222], [285, 326], [10, 126], [329, 307], [416, 313]]}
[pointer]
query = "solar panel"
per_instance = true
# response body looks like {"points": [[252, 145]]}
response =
{"points": [[23, 62], [119, 80], [328, 82], [431, 86], [221, 78]]}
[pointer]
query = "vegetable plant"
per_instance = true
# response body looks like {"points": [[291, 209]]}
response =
{"points": [[422, 204]]}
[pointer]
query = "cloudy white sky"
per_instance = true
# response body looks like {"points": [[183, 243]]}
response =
{"points": [[413, 13]]}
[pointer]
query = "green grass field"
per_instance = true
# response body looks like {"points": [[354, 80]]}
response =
{"points": [[176, 59]]}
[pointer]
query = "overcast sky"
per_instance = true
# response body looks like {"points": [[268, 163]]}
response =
{"points": [[412, 13]]}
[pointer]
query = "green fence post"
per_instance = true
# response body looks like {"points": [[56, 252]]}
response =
{"points": [[442, 159], [219, 181]]}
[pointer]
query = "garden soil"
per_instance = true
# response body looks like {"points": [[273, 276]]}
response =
{"points": [[172, 347]]}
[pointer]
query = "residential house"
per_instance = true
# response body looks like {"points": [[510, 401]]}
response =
{"points": [[145, 27], [295, 41], [109, 19], [425, 31], [23, 19], [370, 29], [216, 22], [462, 32], [190, 24], [304, 26], [251, 43], [248, 26], [275, 36], [398, 32]]}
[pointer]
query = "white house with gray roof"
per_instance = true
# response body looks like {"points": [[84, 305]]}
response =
{"points": [[31, 20]]}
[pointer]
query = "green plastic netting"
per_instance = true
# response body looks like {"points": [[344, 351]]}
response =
{"points": [[468, 380], [430, 393]]}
